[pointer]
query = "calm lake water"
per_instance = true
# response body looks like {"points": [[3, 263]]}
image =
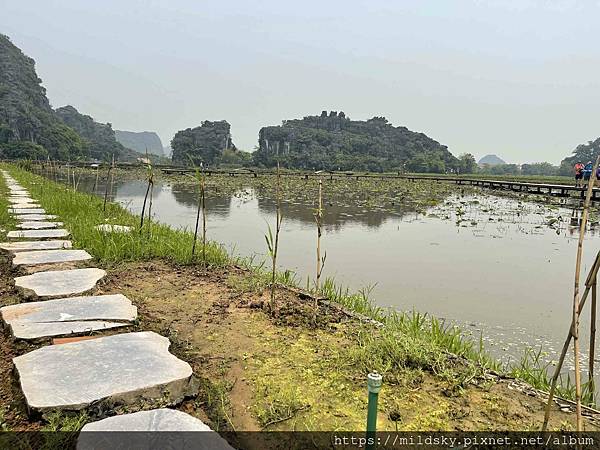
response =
{"points": [[492, 264]]}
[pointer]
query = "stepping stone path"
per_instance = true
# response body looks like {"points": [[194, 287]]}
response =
{"points": [[50, 257], [38, 225], [60, 282], [24, 246], [37, 234], [122, 369]]}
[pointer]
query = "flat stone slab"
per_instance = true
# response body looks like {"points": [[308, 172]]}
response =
{"points": [[27, 211], [38, 225], [21, 200], [33, 217], [25, 205], [49, 257], [123, 368], [163, 419], [60, 282], [109, 228], [34, 330], [157, 428], [37, 234], [93, 307], [24, 246], [19, 192]]}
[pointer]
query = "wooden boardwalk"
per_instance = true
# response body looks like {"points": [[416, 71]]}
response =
{"points": [[554, 190]]}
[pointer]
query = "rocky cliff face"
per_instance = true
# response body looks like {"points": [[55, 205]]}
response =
{"points": [[204, 144], [332, 141], [29, 128], [141, 141]]}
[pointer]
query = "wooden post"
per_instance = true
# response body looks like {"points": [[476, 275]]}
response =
{"points": [[319, 216], [592, 341]]}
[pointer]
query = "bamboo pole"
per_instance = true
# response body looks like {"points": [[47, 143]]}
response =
{"points": [[277, 230], [108, 181], [592, 342], [574, 329], [203, 199], [197, 220], [319, 216]]}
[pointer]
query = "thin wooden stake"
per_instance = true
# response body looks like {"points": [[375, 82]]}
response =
{"points": [[318, 217], [591, 383], [97, 175], [108, 181], [277, 230], [203, 198], [197, 222]]}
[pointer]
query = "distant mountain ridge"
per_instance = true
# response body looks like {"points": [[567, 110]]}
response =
{"points": [[141, 141], [491, 160]]}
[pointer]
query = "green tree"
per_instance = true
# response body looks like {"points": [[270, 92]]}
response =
{"points": [[467, 163]]}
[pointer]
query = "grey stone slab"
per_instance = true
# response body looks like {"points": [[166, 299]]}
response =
{"points": [[37, 234], [94, 307], [24, 246], [31, 217], [25, 205], [38, 225], [49, 257], [27, 211], [123, 368], [60, 282], [21, 200], [39, 330], [109, 228], [163, 419], [19, 192], [144, 429]]}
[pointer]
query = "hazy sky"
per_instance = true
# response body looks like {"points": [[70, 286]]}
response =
{"points": [[517, 78]]}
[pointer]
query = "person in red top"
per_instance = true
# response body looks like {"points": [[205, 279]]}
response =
{"points": [[578, 173]]}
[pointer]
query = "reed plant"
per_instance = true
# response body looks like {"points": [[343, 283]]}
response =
{"points": [[149, 192], [108, 182], [201, 209], [273, 239]]}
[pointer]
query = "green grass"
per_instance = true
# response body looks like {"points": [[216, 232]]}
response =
{"points": [[7, 221], [81, 213]]}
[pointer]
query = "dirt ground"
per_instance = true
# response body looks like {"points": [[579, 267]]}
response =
{"points": [[260, 373]]}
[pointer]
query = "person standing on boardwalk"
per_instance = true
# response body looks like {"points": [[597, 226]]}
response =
{"points": [[587, 171], [578, 173]]}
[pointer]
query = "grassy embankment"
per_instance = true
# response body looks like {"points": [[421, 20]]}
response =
{"points": [[410, 350]]}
